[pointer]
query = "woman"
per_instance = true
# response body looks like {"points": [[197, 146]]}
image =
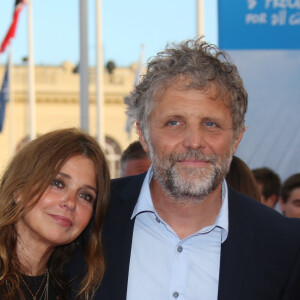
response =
{"points": [[48, 194], [241, 178]]}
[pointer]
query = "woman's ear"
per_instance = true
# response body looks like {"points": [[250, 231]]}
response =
{"points": [[16, 197]]}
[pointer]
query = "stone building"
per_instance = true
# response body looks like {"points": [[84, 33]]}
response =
{"points": [[57, 106]]}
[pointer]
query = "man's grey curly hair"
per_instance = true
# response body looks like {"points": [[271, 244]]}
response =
{"points": [[204, 65]]}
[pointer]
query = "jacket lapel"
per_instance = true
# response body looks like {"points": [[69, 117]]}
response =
{"points": [[117, 237], [235, 250]]}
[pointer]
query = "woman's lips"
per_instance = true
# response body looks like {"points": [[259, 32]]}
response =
{"points": [[62, 220]]}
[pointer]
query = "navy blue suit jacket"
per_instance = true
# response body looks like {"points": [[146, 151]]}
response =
{"points": [[260, 259]]}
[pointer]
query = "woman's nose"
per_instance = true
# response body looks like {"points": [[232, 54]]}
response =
{"points": [[70, 202]]}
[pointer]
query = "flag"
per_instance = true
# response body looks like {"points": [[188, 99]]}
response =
{"points": [[4, 97], [12, 29]]}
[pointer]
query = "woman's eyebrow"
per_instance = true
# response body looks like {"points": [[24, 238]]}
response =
{"points": [[64, 175], [85, 185], [91, 188]]}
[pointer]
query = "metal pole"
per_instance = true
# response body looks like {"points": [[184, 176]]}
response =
{"points": [[83, 66], [200, 18], [99, 77], [31, 75]]}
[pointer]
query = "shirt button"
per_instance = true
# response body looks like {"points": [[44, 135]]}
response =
{"points": [[175, 295], [179, 249], [157, 219]]}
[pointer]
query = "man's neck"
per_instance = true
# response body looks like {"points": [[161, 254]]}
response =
{"points": [[186, 216]]}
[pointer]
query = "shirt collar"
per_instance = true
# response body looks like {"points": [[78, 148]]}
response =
{"points": [[145, 204]]}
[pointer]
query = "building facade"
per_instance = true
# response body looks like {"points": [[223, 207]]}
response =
{"points": [[58, 106]]}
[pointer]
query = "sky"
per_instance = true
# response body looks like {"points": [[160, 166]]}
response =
{"points": [[127, 24]]}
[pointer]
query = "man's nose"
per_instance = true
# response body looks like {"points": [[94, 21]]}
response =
{"points": [[194, 138]]}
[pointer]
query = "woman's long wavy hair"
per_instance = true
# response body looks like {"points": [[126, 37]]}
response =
{"points": [[28, 175]]}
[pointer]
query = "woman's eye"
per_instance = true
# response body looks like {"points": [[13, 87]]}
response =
{"points": [[86, 196], [58, 183]]}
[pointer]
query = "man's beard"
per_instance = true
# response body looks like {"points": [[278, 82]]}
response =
{"points": [[190, 183]]}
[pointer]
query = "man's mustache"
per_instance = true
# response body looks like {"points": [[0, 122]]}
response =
{"points": [[193, 155]]}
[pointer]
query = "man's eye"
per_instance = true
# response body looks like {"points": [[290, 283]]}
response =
{"points": [[58, 183], [173, 123], [210, 124], [87, 197]]}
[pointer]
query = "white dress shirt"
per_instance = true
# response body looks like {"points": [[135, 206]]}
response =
{"points": [[164, 267]]}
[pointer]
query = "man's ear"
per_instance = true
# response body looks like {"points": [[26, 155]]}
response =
{"points": [[141, 136], [272, 200], [238, 139], [282, 205]]}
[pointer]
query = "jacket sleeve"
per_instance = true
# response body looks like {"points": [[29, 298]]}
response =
{"points": [[292, 291]]}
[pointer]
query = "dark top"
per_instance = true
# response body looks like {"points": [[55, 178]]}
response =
{"points": [[38, 286]]}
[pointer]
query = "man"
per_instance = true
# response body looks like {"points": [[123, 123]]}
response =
{"points": [[268, 184], [134, 160], [290, 197], [178, 232]]}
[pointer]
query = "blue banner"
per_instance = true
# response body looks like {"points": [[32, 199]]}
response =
{"points": [[259, 24]]}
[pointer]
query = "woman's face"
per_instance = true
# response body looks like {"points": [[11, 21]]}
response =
{"points": [[65, 208]]}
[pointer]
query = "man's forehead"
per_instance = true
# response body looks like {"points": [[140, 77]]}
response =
{"points": [[211, 89]]}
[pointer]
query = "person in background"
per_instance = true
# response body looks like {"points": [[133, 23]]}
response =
{"points": [[241, 178], [134, 160], [290, 196], [268, 185], [48, 194]]}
